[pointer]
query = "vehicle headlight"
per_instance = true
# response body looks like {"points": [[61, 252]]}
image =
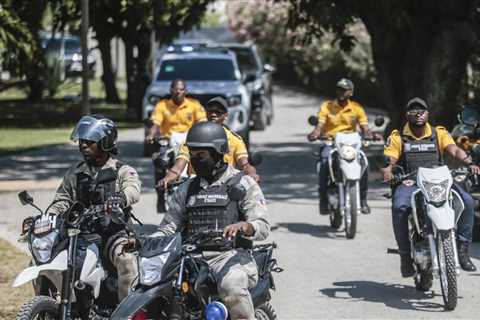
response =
{"points": [[151, 268], [234, 100], [42, 246], [348, 152], [77, 57], [436, 192], [257, 85], [153, 100]]}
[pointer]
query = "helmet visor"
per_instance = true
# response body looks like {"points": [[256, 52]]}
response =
{"points": [[89, 128]]}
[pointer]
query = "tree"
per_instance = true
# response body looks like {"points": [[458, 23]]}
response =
{"points": [[419, 48]]}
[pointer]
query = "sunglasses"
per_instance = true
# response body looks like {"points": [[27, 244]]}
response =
{"points": [[418, 112]]}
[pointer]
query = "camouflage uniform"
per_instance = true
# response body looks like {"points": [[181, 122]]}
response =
{"points": [[127, 183], [235, 270]]}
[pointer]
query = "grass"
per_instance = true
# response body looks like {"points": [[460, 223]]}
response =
{"points": [[15, 139], [12, 262]]}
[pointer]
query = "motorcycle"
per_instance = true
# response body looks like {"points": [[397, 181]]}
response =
{"points": [[347, 163], [436, 208], [71, 279], [176, 283]]}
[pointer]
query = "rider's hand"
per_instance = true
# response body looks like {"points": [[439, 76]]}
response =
{"points": [[368, 136], [314, 135], [163, 183], [150, 138], [114, 202], [255, 177], [242, 227], [474, 169], [387, 175]]}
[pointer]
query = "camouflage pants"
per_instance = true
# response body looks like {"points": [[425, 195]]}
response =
{"points": [[125, 262], [236, 272]]}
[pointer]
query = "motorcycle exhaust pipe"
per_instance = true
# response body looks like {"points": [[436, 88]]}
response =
{"points": [[433, 253], [455, 252]]}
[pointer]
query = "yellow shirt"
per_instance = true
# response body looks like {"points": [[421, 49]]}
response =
{"points": [[393, 147], [236, 149], [172, 118], [341, 119]]}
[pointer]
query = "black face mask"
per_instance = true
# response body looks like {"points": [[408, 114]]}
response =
{"points": [[204, 167]]}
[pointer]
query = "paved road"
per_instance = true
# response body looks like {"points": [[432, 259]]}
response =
{"points": [[326, 276]]}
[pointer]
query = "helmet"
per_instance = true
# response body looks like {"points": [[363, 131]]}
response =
{"points": [[96, 128], [345, 84], [217, 102], [208, 135], [416, 103]]}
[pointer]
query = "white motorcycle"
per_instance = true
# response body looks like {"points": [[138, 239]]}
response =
{"points": [[436, 208], [70, 278]]}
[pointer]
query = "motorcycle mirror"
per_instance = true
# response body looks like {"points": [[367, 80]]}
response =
{"points": [[255, 158], [106, 175], [25, 198], [312, 120], [379, 121]]}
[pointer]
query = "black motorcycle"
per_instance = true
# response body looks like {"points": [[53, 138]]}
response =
{"points": [[176, 283], [71, 278]]}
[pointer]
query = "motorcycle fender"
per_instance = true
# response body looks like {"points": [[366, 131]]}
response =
{"points": [[138, 299], [92, 271], [443, 218], [59, 263], [351, 170]]}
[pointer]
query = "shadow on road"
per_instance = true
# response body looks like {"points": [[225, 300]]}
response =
{"points": [[315, 230], [392, 295]]}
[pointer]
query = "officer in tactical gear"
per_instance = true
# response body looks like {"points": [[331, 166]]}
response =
{"points": [[97, 141], [221, 197], [419, 144]]}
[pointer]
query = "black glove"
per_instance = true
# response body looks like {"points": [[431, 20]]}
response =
{"points": [[117, 199]]}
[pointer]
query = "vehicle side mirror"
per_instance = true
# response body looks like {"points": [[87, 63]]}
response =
{"points": [[379, 121], [268, 68], [249, 78], [255, 158], [313, 120], [106, 176], [25, 198]]}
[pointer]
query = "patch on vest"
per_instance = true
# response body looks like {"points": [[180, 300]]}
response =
{"points": [[419, 147], [207, 198]]}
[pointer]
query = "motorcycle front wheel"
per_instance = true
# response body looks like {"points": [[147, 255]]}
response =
{"points": [[351, 211], [265, 312], [39, 308], [447, 270]]}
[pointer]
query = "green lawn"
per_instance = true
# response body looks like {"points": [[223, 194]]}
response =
{"points": [[15, 139]]}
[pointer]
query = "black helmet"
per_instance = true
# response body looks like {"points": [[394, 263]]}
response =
{"points": [[96, 128], [208, 135], [345, 84]]}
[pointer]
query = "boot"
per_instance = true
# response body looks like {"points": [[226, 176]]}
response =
{"points": [[406, 266], [323, 205], [464, 257], [365, 207]]}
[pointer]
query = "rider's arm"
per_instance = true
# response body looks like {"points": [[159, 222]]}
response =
{"points": [[65, 193], [247, 168], [392, 151], [129, 184], [363, 122], [240, 155], [157, 119], [174, 172], [254, 207], [199, 113], [322, 118], [174, 219]]}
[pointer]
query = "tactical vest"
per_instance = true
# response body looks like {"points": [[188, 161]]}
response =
{"points": [[420, 153], [213, 208]]}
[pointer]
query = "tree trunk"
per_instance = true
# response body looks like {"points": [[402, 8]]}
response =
{"points": [[131, 78], [108, 76], [142, 76]]}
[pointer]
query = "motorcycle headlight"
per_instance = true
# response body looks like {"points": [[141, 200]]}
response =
{"points": [[151, 268], [42, 246], [234, 100], [436, 192], [348, 152]]}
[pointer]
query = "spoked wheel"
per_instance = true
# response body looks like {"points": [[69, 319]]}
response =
{"points": [[265, 312], [447, 270], [351, 211], [423, 281], [39, 308]]}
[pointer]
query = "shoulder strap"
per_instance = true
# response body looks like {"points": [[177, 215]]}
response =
{"points": [[119, 164], [192, 187]]}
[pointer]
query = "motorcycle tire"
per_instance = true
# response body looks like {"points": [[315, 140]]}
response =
{"points": [[260, 119], [351, 210], [448, 275], [424, 281], [39, 307], [265, 312]]}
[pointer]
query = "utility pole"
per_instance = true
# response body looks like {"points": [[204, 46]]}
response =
{"points": [[85, 71]]}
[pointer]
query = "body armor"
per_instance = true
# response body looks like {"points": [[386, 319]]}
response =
{"points": [[214, 208], [420, 153]]}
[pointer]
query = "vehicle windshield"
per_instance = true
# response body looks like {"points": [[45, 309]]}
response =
{"points": [[197, 70], [471, 115], [246, 60], [71, 46]]}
